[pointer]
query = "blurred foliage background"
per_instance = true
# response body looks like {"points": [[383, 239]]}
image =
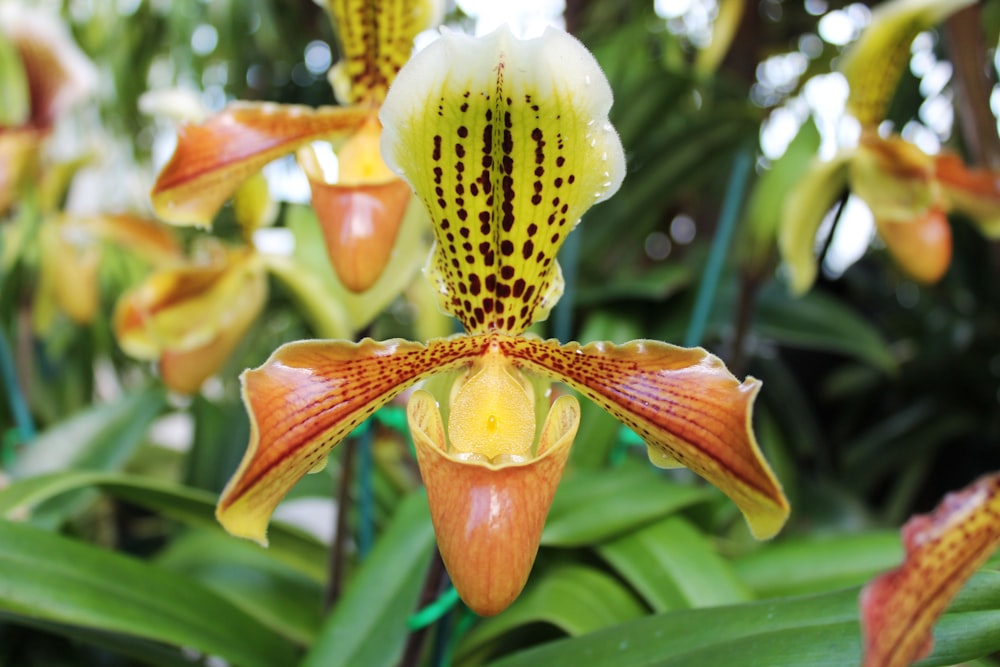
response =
{"points": [[880, 395]]}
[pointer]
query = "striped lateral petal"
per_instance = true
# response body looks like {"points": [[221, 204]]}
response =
{"points": [[507, 143], [974, 192], [685, 404], [306, 399], [376, 38], [943, 549], [214, 158]]}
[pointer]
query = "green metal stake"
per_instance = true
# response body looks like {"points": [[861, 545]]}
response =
{"points": [[735, 189]]}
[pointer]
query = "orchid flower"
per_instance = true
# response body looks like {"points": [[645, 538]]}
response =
{"points": [[43, 74], [908, 191], [507, 143], [362, 212], [943, 549]]}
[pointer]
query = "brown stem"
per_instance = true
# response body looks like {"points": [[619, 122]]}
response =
{"points": [[338, 557], [973, 84], [432, 589]]}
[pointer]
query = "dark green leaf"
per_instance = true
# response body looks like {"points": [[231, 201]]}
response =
{"points": [[51, 578], [815, 564], [368, 625], [673, 566], [575, 598], [594, 505], [814, 631], [183, 504]]}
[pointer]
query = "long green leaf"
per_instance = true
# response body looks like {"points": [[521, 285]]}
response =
{"points": [[368, 625], [575, 598], [99, 438], [818, 322], [594, 505], [278, 596], [190, 506], [674, 566], [814, 631], [55, 579], [816, 564]]}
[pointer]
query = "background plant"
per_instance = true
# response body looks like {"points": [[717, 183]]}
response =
{"points": [[879, 395]]}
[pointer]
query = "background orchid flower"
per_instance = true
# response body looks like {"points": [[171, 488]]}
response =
{"points": [[507, 143], [943, 549], [909, 192], [43, 74], [361, 212]]}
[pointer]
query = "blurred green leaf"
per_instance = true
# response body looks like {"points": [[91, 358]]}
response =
{"points": [[187, 505], [368, 625], [575, 598], [277, 596], [51, 578], [673, 566], [99, 438], [818, 631], [591, 506], [818, 322], [814, 564]]}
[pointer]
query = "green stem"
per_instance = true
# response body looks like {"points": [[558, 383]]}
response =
{"points": [[731, 204]]}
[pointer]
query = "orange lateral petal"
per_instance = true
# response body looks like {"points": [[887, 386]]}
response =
{"points": [[360, 224], [213, 158], [921, 246], [306, 399], [489, 518], [684, 402], [974, 192], [943, 549]]}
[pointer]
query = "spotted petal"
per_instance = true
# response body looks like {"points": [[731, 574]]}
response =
{"points": [[886, 41], [943, 550], [376, 38], [507, 143], [214, 158], [686, 405], [306, 399]]}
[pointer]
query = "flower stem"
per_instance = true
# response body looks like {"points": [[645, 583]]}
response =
{"points": [[338, 548], [433, 583]]}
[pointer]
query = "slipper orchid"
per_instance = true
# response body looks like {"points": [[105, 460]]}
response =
{"points": [[362, 212], [43, 74], [507, 143], [908, 191], [943, 549]]}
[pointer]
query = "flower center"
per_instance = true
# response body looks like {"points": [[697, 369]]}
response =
{"points": [[492, 414]]}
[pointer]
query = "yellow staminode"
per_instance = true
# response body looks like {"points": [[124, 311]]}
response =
{"points": [[492, 413]]}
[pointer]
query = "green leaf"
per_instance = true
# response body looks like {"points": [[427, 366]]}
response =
{"points": [[99, 438], [814, 631], [146, 652], [368, 625], [819, 322], [51, 578], [594, 505], [190, 506], [277, 596], [575, 598], [815, 564], [674, 566]]}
